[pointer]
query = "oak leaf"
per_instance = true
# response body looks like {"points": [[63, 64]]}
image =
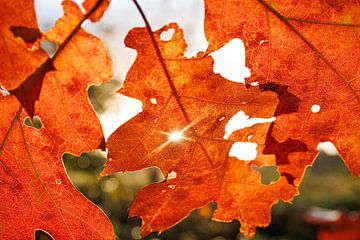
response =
{"points": [[313, 47], [35, 190], [33, 180], [189, 99], [21, 45], [20, 56], [291, 51]]}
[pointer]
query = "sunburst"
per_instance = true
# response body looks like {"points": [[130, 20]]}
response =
{"points": [[173, 137]]}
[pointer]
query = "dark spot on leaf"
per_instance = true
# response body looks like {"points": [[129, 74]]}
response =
{"points": [[198, 180], [289, 103], [282, 150], [290, 178], [75, 87], [332, 3], [29, 91], [29, 35], [102, 145]]}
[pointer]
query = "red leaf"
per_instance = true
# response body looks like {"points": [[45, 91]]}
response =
{"points": [[291, 51], [201, 106], [19, 49], [313, 48], [27, 88], [35, 189]]}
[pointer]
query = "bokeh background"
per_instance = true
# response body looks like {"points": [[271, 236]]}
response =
{"points": [[330, 196]]}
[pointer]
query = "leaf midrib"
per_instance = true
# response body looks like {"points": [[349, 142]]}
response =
{"points": [[173, 88]]}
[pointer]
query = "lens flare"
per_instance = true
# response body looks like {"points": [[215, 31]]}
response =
{"points": [[175, 136]]}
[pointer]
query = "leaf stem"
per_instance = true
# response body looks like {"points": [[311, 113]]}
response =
{"points": [[77, 28], [163, 65]]}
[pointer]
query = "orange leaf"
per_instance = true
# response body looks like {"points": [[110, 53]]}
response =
{"points": [[97, 15], [198, 106], [19, 43], [35, 190], [313, 47], [33, 180], [63, 33]]}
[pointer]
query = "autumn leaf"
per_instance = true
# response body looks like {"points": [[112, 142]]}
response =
{"points": [[84, 61], [21, 46], [33, 180], [35, 190], [196, 104], [303, 54], [291, 53], [313, 47], [20, 56]]}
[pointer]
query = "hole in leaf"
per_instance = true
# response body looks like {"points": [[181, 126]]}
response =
{"points": [[84, 162], [172, 175], [58, 181], [245, 151], [109, 185], [328, 148], [269, 174], [34, 47], [153, 101], [42, 235], [315, 108], [3, 91], [35, 122], [85, 23], [113, 109], [167, 35], [240, 120], [123, 185], [49, 47], [229, 61], [263, 41], [136, 233], [29, 90]]}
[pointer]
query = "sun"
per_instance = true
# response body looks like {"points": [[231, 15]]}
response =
{"points": [[175, 136]]}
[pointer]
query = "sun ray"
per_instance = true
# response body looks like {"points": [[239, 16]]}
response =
{"points": [[175, 136]]}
